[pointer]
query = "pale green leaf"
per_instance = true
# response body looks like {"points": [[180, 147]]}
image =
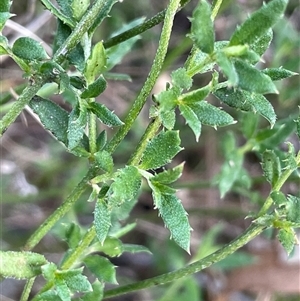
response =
{"points": [[211, 115], [169, 176], [95, 88], [227, 68], [287, 238], [102, 219], [53, 117], [62, 290], [271, 166], [4, 16], [161, 150], [191, 119], [263, 43], [102, 268], [79, 7], [29, 49], [77, 282], [105, 115], [202, 29], [112, 247], [195, 95], [278, 73], [96, 294], [21, 265], [4, 47], [48, 296], [259, 23], [175, 219], [49, 270], [278, 198], [168, 118], [293, 209], [252, 79], [104, 160], [135, 249], [72, 235], [101, 140], [181, 79]]}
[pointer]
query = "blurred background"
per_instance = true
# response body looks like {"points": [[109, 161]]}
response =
{"points": [[37, 173]]}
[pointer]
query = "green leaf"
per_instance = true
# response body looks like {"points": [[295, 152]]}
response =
{"points": [[169, 176], [168, 118], [73, 235], [105, 115], [96, 294], [102, 219], [161, 150], [210, 115], [49, 271], [66, 7], [297, 121], [53, 117], [95, 89], [5, 5], [101, 140], [175, 219], [191, 119], [287, 237], [259, 23], [135, 249], [271, 166], [75, 281], [48, 296], [202, 29], [262, 44], [249, 122], [126, 185], [102, 268], [4, 47], [181, 79], [21, 265], [76, 126], [112, 247], [195, 95], [293, 209], [278, 198], [96, 63], [79, 7], [253, 80], [227, 68], [230, 172], [278, 73], [63, 290], [29, 49], [104, 160], [4, 16], [247, 101]]}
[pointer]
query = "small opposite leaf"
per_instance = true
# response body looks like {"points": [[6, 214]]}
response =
{"points": [[287, 237], [202, 29], [161, 150], [271, 166], [211, 115], [253, 80], [105, 115], [191, 119], [53, 117], [293, 209], [181, 79], [29, 49], [104, 160], [278, 73], [175, 219], [102, 268], [259, 23], [102, 219], [95, 88], [20, 265], [168, 176]]}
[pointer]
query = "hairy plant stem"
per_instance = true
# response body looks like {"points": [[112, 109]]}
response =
{"points": [[20, 104], [92, 133], [252, 231], [151, 79], [27, 289], [59, 212], [215, 8]]}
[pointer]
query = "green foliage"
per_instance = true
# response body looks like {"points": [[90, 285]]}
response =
{"points": [[79, 72]]}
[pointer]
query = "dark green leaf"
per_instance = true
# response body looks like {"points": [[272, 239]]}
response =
{"points": [[278, 198], [101, 140], [161, 188], [96, 294], [112, 247], [168, 176], [249, 122], [175, 219], [102, 268], [66, 7], [104, 160], [161, 150], [293, 209], [21, 265], [105, 115], [29, 49], [77, 82], [96, 63], [135, 249], [287, 237], [253, 80], [76, 126], [191, 119], [102, 219], [227, 68], [95, 89], [202, 29], [271, 166], [259, 23], [194, 96], [181, 79], [5, 5], [53, 117], [210, 115], [126, 185], [73, 235], [247, 101], [278, 73], [79, 7]]}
